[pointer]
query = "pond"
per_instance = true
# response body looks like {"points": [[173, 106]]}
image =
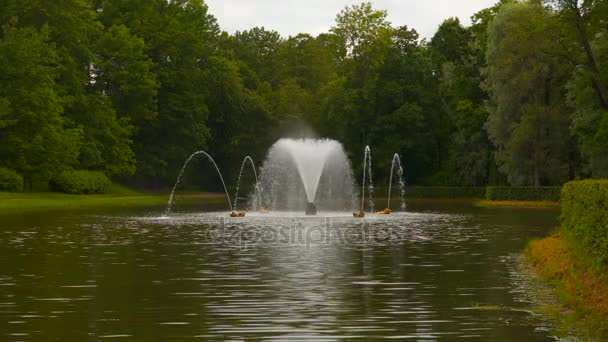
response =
{"points": [[440, 271]]}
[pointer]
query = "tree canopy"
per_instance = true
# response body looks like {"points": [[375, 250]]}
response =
{"points": [[132, 87]]}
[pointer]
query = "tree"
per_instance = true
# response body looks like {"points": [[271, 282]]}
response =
{"points": [[589, 119], [240, 123], [307, 60], [107, 138], [527, 120], [169, 102], [578, 13], [124, 72], [33, 137], [455, 58], [359, 27], [258, 48], [405, 116]]}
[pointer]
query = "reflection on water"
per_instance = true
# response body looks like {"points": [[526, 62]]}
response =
{"points": [[440, 272]]}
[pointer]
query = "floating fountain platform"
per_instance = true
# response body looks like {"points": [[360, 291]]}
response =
{"points": [[359, 214], [238, 214], [311, 209]]}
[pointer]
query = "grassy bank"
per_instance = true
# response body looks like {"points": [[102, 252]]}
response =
{"points": [[116, 196], [519, 204], [490, 196], [581, 287], [575, 260]]}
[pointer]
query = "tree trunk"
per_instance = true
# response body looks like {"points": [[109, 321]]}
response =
{"points": [[598, 86], [537, 147]]}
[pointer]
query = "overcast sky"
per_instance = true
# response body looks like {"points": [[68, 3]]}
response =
{"points": [[290, 17]]}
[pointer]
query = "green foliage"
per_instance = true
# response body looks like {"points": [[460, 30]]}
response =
{"points": [[33, 138], [10, 180], [81, 182], [107, 139], [578, 283], [469, 157], [132, 87], [528, 121], [125, 74], [523, 193], [359, 28], [259, 49], [590, 119], [444, 192], [585, 215]]}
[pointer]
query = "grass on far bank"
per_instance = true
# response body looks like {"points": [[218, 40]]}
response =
{"points": [[520, 204], [117, 195], [577, 281]]}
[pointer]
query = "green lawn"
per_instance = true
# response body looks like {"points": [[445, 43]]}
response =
{"points": [[116, 196]]}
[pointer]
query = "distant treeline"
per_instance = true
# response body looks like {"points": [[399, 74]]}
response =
{"points": [[132, 87]]}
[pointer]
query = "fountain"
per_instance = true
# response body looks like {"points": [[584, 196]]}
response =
{"points": [[396, 162], [303, 174], [181, 174], [367, 168], [238, 183]]}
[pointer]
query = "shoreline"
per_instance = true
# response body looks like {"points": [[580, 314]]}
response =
{"points": [[17, 202], [580, 287], [519, 204], [20, 202]]}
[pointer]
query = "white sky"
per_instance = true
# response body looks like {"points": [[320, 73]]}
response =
{"points": [[290, 17]]}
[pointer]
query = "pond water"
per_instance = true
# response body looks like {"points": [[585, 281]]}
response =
{"points": [[441, 271]]}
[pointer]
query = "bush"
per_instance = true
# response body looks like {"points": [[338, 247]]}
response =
{"points": [[585, 215], [81, 182], [523, 193], [10, 180], [444, 192]]}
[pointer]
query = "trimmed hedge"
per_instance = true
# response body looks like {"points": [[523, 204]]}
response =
{"points": [[10, 180], [585, 215], [444, 192], [523, 193], [81, 182]]}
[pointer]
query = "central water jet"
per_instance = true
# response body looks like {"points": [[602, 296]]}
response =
{"points": [[303, 174]]}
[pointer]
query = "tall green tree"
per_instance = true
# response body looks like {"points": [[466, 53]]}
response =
{"points": [[454, 53], [364, 35], [259, 49], [74, 30], [33, 137], [169, 101], [404, 112], [584, 45], [579, 14], [528, 122], [359, 27]]}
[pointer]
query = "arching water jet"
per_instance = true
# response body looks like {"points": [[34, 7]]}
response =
{"points": [[238, 183], [367, 170], [396, 162], [181, 174]]}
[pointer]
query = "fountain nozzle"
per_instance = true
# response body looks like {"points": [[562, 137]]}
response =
{"points": [[311, 209], [238, 214]]}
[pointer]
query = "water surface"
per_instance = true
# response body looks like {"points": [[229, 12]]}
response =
{"points": [[441, 271]]}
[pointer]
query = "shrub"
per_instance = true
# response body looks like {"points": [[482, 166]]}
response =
{"points": [[523, 193], [585, 215], [444, 192], [10, 180], [81, 182]]}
